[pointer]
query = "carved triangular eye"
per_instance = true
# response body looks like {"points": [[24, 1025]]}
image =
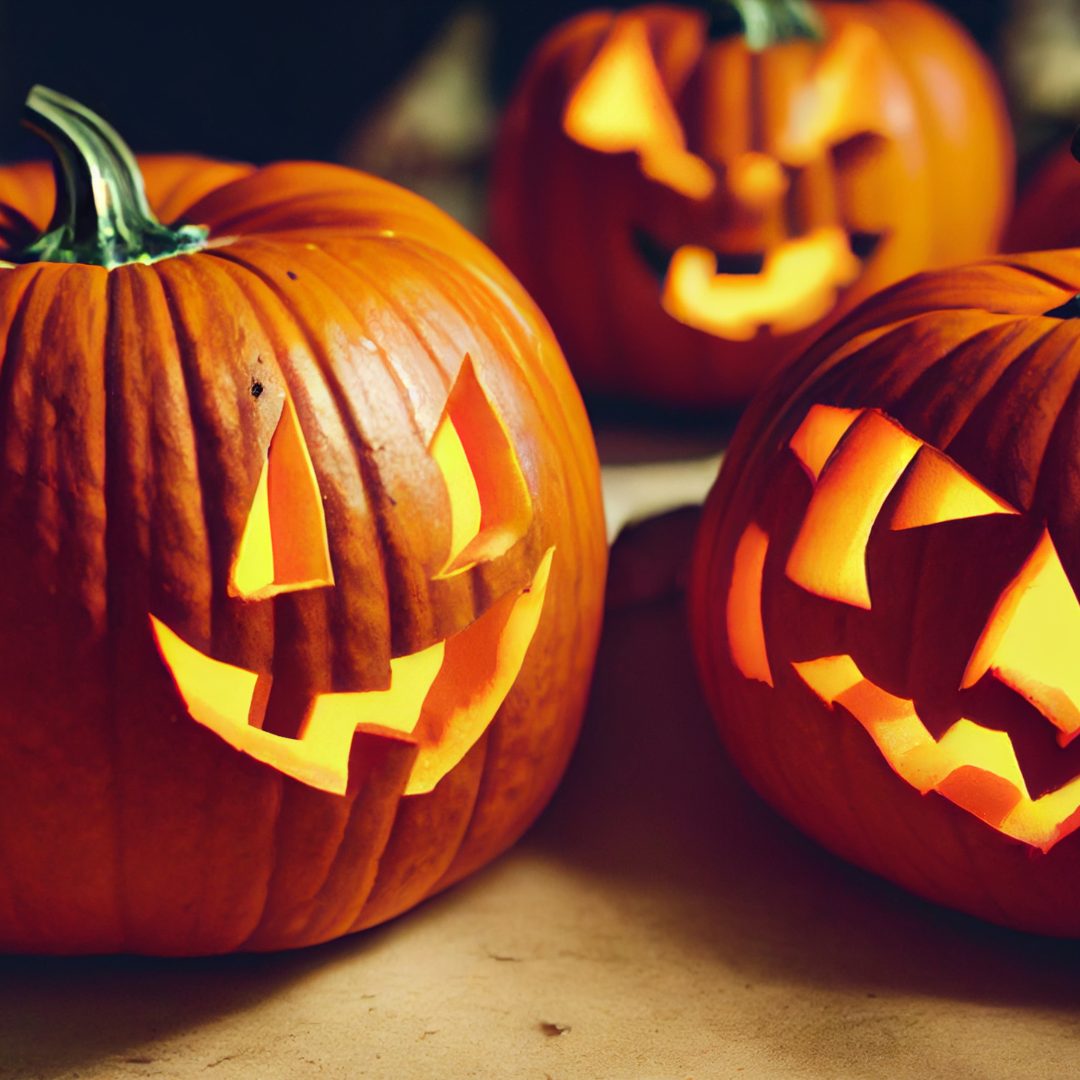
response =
{"points": [[1029, 641], [935, 490], [845, 97], [621, 105], [284, 546], [490, 504], [828, 557]]}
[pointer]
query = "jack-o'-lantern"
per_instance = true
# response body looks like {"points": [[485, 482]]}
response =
{"points": [[691, 194], [884, 595], [301, 551]]}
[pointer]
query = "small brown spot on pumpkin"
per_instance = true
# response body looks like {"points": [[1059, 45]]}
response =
{"points": [[291, 274], [256, 388]]}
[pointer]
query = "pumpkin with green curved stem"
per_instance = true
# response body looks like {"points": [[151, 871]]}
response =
{"points": [[301, 551]]}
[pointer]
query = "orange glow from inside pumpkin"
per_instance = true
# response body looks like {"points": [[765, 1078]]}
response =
{"points": [[284, 546], [973, 766], [621, 105], [851, 92], [442, 699], [757, 180], [1030, 640], [818, 435], [745, 627], [796, 288], [856, 458], [490, 504], [828, 557], [935, 489]]}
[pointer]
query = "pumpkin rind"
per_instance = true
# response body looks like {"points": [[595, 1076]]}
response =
{"points": [[565, 216], [967, 363], [132, 438]]}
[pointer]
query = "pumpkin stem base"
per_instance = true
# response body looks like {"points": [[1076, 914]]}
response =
{"points": [[764, 23]]}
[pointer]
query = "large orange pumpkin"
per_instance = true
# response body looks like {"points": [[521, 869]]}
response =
{"points": [[884, 595], [301, 552], [692, 198]]}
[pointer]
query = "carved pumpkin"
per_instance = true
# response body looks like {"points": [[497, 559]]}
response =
{"points": [[301, 552], [884, 594], [690, 202]]}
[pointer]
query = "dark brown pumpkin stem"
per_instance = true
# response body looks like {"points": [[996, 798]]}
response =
{"points": [[101, 216], [764, 23]]}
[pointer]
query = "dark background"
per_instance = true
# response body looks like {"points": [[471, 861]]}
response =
{"points": [[256, 82]]}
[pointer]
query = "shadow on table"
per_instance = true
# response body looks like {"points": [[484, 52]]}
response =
{"points": [[58, 1014], [652, 801]]}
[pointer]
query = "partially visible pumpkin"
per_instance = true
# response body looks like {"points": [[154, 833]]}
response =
{"points": [[1047, 215], [884, 593], [301, 552], [691, 198]]}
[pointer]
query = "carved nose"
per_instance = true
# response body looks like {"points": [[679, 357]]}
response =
{"points": [[757, 180]]}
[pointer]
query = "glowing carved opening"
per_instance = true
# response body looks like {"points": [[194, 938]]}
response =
{"points": [[797, 286], [621, 105], [481, 665], [828, 557], [935, 489], [746, 630], [442, 698], [284, 545], [490, 504], [844, 97], [819, 434], [1030, 640], [757, 180], [974, 767]]}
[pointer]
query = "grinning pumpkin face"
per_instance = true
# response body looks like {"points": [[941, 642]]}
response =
{"points": [[869, 473], [716, 204], [440, 699], [301, 551], [885, 595], [758, 248]]}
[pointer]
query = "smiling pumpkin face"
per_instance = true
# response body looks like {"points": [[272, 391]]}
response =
{"points": [[715, 205], [441, 699], [301, 561], [886, 591]]}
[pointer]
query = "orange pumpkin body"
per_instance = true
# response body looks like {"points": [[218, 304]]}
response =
{"points": [[689, 212], [884, 595], [317, 340]]}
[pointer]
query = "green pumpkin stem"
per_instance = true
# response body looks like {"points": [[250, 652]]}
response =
{"points": [[764, 23], [101, 216]]}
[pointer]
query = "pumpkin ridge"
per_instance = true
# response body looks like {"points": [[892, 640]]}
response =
{"points": [[403, 880], [113, 615], [18, 909], [357, 443], [1002, 337], [391, 547], [219, 764], [355, 270]]}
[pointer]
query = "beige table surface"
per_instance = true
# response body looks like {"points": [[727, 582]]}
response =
{"points": [[658, 922]]}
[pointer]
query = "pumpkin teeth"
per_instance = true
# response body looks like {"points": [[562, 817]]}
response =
{"points": [[442, 698]]}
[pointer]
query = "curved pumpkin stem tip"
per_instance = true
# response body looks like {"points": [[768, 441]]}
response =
{"points": [[101, 216]]}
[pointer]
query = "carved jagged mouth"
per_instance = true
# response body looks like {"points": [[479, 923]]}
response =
{"points": [[657, 257], [785, 289]]}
